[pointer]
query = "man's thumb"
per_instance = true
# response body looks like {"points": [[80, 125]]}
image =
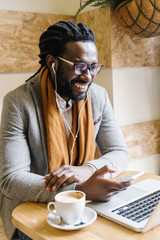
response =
{"points": [[105, 169]]}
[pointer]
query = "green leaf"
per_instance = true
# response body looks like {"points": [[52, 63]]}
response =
{"points": [[98, 3]]}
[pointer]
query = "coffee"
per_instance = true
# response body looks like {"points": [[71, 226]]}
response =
{"points": [[69, 197], [69, 206]]}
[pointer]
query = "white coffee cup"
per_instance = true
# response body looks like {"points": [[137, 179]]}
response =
{"points": [[69, 206]]}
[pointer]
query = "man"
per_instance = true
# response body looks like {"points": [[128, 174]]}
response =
{"points": [[50, 125]]}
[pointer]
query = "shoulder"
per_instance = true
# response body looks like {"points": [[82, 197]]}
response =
{"points": [[96, 90], [98, 96], [100, 103], [23, 93]]}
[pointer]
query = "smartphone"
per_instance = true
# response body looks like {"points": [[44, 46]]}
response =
{"points": [[129, 177]]}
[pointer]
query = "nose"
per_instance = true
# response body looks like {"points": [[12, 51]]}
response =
{"points": [[86, 76]]}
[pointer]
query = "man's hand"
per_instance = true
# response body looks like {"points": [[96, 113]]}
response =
{"points": [[66, 175], [98, 188]]}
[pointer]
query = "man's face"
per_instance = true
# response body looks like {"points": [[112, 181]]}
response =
{"points": [[70, 85]]}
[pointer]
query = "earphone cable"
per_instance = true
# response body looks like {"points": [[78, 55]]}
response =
{"points": [[74, 139]]}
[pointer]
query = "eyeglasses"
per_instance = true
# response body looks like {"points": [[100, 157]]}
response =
{"points": [[81, 67]]}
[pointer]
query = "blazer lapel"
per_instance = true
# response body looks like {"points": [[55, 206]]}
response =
{"points": [[36, 94]]}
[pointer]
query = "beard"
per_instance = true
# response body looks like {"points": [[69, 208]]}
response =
{"points": [[65, 87]]}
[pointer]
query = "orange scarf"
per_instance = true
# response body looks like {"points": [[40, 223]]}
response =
{"points": [[58, 153]]}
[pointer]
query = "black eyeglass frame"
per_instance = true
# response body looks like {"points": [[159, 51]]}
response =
{"points": [[74, 64]]}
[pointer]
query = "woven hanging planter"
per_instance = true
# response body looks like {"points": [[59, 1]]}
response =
{"points": [[141, 16]]}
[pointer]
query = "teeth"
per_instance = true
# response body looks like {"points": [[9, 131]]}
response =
{"points": [[82, 86]]}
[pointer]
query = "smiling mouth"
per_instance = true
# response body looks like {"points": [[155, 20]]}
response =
{"points": [[81, 86]]}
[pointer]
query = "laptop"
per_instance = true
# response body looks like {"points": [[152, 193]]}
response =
{"points": [[137, 207]]}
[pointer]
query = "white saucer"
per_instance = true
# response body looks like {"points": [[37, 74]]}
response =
{"points": [[89, 216]]}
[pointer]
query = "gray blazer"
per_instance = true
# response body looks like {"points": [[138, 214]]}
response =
{"points": [[23, 146]]}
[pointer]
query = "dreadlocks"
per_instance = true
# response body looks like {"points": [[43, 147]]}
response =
{"points": [[53, 41]]}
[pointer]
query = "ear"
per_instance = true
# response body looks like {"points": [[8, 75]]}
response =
{"points": [[50, 60]]}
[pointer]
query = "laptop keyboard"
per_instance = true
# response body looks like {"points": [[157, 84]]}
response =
{"points": [[140, 209]]}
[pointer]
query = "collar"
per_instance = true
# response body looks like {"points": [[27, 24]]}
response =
{"points": [[62, 103]]}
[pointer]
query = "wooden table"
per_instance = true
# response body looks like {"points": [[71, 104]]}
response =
{"points": [[30, 218]]}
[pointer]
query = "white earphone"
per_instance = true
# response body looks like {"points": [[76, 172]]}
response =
{"points": [[53, 64]]}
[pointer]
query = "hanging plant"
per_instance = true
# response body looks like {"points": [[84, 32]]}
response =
{"points": [[98, 3], [140, 16]]}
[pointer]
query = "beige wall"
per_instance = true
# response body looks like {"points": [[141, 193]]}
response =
{"points": [[65, 7]]}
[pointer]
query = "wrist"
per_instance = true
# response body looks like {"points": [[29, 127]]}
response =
{"points": [[79, 187], [90, 167]]}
